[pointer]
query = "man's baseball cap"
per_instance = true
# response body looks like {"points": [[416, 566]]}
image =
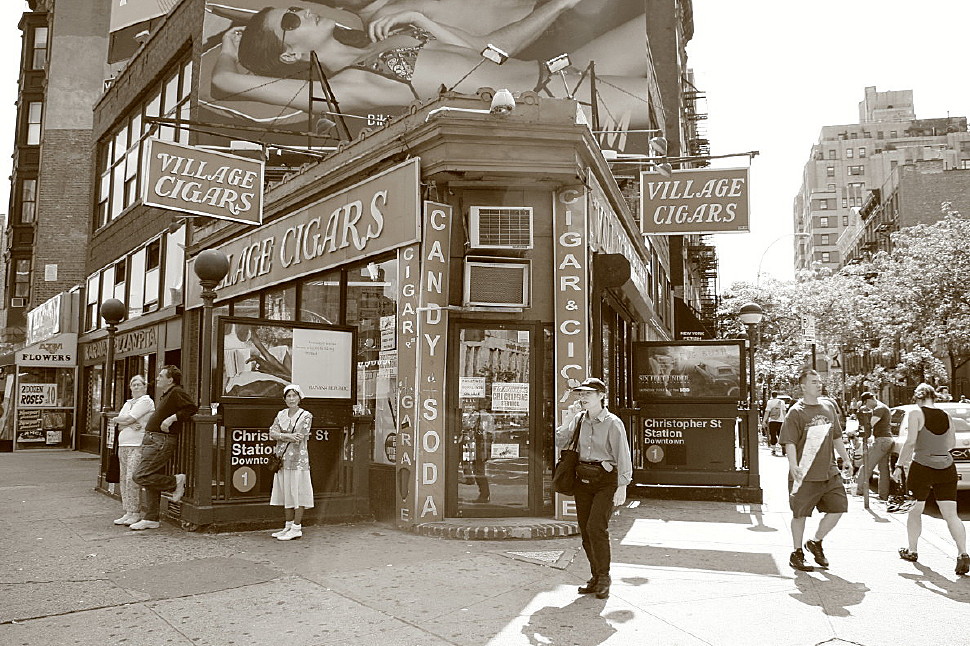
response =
{"points": [[592, 384]]}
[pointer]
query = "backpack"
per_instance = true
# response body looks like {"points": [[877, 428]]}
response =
{"points": [[774, 414]]}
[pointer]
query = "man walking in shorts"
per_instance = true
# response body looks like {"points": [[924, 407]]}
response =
{"points": [[810, 434]]}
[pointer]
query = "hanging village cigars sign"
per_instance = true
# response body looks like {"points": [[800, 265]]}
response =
{"points": [[203, 182], [710, 200]]}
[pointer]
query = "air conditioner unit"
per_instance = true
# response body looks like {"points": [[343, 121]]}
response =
{"points": [[497, 282], [18, 302], [500, 227]]}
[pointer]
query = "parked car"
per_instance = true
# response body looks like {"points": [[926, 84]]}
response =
{"points": [[960, 416]]}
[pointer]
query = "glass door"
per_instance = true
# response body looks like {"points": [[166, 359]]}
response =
{"points": [[493, 429]]}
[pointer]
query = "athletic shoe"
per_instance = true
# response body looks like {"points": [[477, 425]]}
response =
{"points": [[124, 520], [963, 564], [906, 555], [797, 561], [145, 524], [815, 547], [279, 533], [294, 532], [179, 487]]}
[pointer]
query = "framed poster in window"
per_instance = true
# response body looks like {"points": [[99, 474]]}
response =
{"points": [[711, 371], [258, 357]]}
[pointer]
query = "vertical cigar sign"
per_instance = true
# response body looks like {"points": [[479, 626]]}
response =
{"points": [[409, 268], [571, 276], [429, 388], [203, 182]]}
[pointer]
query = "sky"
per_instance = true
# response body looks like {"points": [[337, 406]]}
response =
{"points": [[776, 71]]}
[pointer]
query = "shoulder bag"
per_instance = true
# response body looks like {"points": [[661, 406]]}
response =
{"points": [[564, 477], [114, 464]]}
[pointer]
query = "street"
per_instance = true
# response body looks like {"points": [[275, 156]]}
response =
{"points": [[688, 573]]}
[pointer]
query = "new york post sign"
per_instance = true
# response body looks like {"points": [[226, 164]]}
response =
{"points": [[708, 200], [203, 182]]}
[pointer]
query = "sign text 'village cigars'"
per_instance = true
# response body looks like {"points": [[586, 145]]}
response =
{"points": [[709, 200], [203, 182]]}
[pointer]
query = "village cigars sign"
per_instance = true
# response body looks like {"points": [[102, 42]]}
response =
{"points": [[709, 200], [376, 215], [203, 182]]}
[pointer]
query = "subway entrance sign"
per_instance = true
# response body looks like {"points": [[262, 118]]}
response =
{"points": [[687, 431]]}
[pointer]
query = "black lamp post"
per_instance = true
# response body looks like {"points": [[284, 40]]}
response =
{"points": [[113, 312], [211, 266], [751, 315]]}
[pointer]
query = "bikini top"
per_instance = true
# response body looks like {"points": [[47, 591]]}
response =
{"points": [[397, 63]]}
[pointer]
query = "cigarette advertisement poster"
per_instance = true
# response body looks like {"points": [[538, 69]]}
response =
{"points": [[510, 397]]}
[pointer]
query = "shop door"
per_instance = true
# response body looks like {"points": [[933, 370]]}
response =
{"points": [[494, 450]]}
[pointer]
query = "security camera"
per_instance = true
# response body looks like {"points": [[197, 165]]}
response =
{"points": [[502, 102]]}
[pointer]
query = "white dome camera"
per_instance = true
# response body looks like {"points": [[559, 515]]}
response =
{"points": [[502, 102]]}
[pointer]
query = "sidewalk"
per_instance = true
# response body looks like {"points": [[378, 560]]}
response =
{"points": [[685, 573]]}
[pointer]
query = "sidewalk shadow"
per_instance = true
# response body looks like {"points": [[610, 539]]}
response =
{"points": [[832, 594], [929, 579], [578, 624], [759, 520]]}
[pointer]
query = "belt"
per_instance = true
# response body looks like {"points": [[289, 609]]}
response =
{"points": [[598, 463]]}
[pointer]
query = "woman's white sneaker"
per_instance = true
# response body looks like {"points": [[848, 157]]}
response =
{"points": [[145, 524], [124, 520], [295, 531], [280, 532]]}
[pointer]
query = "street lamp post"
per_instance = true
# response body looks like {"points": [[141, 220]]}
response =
{"points": [[211, 266], [757, 280], [751, 315], [113, 312]]}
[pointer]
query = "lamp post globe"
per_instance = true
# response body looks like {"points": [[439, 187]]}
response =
{"points": [[751, 314], [211, 266], [113, 311]]}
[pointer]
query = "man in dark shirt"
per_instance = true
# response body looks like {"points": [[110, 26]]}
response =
{"points": [[173, 407], [879, 450]]}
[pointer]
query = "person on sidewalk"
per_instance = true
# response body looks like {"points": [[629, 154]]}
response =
{"points": [[810, 433], [925, 458], [478, 432], [773, 418], [292, 488], [605, 469], [173, 407], [131, 433], [879, 449]]}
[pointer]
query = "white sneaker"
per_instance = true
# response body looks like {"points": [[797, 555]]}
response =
{"points": [[295, 531], [179, 487], [134, 518], [145, 524], [124, 520], [280, 532]]}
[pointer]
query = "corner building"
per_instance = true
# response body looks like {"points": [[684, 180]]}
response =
{"points": [[469, 264]]}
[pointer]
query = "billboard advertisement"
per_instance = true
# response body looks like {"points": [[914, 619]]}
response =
{"points": [[708, 200], [379, 58], [696, 371]]}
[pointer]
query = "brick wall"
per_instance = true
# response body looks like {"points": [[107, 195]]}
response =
{"points": [[923, 186]]}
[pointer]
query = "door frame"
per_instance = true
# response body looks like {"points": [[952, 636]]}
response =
{"points": [[453, 419]]}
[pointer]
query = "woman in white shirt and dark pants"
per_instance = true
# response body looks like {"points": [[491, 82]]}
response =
{"points": [[131, 430], [605, 469]]}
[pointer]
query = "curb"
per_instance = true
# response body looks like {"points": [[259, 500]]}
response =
{"points": [[489, 530]]}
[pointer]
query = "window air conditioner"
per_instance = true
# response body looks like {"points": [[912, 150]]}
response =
{"points": [[18, 302], [497, 282], [500, 227]]}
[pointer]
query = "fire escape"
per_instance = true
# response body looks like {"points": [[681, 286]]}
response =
{"points": [[694, 130], [702, 259]]}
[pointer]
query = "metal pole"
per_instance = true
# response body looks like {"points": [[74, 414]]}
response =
{"points": [[814, 364], [208, 297]]}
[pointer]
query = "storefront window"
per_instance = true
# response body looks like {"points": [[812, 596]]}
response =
{"points": [[246, 307], [372, 294], [280, 304], [92, 399], [320, 299], [49, 420]]}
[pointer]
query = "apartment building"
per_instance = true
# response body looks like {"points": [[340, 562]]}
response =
{"points": [[851, 164]]}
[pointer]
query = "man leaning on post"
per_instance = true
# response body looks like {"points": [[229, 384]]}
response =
{"points": [[173, 407]]}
